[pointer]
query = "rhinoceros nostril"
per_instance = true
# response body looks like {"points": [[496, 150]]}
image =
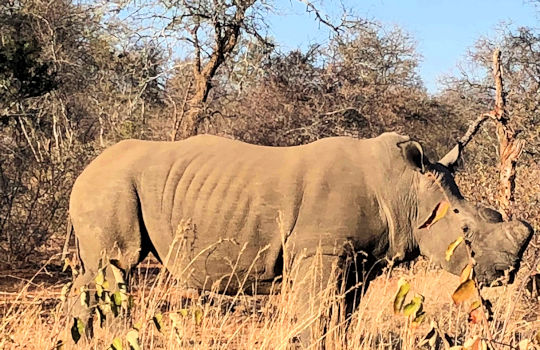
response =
{"points": [[501, 269]]}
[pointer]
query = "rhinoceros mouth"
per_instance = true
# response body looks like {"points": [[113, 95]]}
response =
{"points": [[497, 273], [501, 274]]}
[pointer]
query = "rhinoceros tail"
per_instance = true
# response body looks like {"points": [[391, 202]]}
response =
{"points": [[69, 232]]}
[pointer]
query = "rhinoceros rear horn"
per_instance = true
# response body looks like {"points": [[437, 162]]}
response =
{"points": [[413, 154], [450, 159]]}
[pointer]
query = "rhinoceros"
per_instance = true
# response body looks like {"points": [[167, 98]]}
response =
{"points": [[210, 207]]}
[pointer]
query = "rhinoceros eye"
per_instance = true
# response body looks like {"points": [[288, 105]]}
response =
{"points": [[456, 210], [465, 229]]}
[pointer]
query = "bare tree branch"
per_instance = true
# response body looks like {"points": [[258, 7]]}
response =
{"points": [[473, 129], [320, 17]]}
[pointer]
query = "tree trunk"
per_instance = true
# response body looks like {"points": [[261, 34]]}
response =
{"points": [[509, 147], [194, 114], [203, 79]]}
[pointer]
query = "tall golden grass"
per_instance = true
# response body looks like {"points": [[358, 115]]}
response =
{"points": [[34, 317]]}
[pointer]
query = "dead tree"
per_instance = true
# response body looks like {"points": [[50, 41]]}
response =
{"points": [[227, 22], [214, 29], [509, 147]]}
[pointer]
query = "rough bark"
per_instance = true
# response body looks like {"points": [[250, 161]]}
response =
{"points": [[509, 147], [225, 40]]}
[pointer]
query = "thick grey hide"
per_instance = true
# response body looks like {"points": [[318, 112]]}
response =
{"points": [[207, 206]]}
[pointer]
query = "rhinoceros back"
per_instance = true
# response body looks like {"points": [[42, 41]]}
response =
{"points": [[213, 207]]}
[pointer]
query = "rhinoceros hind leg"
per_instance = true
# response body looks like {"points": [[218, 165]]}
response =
{"points": [[91, 261], [78, 309]]}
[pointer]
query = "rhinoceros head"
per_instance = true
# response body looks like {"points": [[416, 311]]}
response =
{"points": [[443, 215]]}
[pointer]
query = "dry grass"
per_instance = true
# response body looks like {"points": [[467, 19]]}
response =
{"points": [[32, 318]]}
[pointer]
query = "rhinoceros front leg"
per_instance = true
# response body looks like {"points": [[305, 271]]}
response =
{"points": [[317, 284]]}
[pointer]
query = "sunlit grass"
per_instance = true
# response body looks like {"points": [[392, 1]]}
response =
{"points": [[34, 318]]}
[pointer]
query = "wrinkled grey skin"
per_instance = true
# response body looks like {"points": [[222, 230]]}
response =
{"points": [[344, 194], [495, 245]]}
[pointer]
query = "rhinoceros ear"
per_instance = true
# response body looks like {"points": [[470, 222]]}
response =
{"points": [[490, 215], [413, 154]]}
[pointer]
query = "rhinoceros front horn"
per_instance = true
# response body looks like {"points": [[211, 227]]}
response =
{"points": [[450, 159]]}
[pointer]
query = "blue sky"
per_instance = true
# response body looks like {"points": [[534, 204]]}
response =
{"points": [[443, 29]]}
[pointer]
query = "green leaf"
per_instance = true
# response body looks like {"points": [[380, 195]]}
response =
{"points": [[412, 308], [101, 283], [419, 318], [116, 344], [117, 298], [100, 278], [158, 318], [65, 291], [183, 312], [403, 289], [77, 329], [85, 297], [132, 338], [198, 315], [122, 287]]}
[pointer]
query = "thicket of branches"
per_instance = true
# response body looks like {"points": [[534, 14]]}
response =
{"points": [[77, 77]]}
